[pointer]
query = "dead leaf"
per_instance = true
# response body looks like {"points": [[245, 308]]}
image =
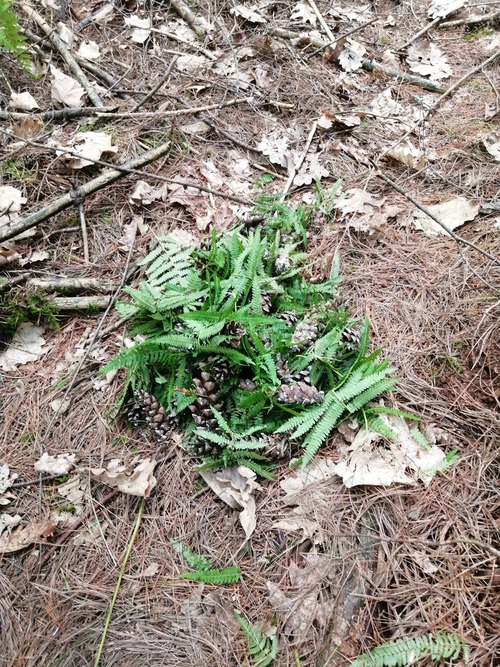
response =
{"points": [[26, 345], [275, 146], [424, 562], [55, 465], [389, 59], [28, 127], [23, 101], [408, 154], [191, 63], [366, 213], [37, 256], [262, 78], [88, 146], [89, 50], [300, 612], [443, 8], [452, 213], [428, 60], [21, 538], [492, 144], [11, 201], [138, 482], [351, 56], [65, 89], [384, 105], [8, 253], [145, 194], [247, 13], [328, 118], [235, 486], [379, 462], [141, 28], [65, 34], [311, 170], [7, 479], [302, 12]]}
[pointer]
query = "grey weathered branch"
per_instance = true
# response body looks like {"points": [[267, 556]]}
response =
{"points": [[184, 12], [76, 196], [372, 66]]}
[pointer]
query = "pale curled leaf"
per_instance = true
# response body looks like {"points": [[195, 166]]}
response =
{"points": [[23, 101], [88, 146], [65, 89], [408, 154], [275, 146], [33, 532], [7, 479], [310, 171], [89, 50], [235, 486], [442, 8], [302, 12], [146, 194], [452, 213], [11, 199], [26, 345], [351, 56], [140, 28], [428, 61], [55, 465], [137, 482], [328, 118], [247, 13]]}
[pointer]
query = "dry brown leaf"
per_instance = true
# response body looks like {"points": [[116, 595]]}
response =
{"points": [[428, 60], [311, 170], [247, 13], [88, 146], [275, 146], [23, 101], [235, 486], [8, 253], [76, 490], [452, 213], [55, 465], [145, 194], [28, 127], [26, 345], [300, 612], [65, 89], [141, 28], [302, 12], [137, 482], [408, 154], [33, 532], [262, 78], [328, 118]]}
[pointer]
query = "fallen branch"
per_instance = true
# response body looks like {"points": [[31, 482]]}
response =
{"points": [[472, 20], [65, 54], [157, 87], [75, 196], [372, 66], [184, 12], [79, 302], [74, 285], [322, 21]]}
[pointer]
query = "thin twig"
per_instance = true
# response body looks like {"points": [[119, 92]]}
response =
{"points": [[434, 106], [300, 161], [343, 36], [156, 88], [424, 30], [184, 12], [322, 21], [65, 54], [425, 210], [471, 20], [119, 581], [85, 238]]}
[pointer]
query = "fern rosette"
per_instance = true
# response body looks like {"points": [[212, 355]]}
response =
{"points": [[238, 347]]}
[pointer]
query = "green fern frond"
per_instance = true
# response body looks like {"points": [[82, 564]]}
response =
{"points": [[402, 652], [11, 37], [420, 438], [199, 563], [229, 575], [263, 650], [376, 389]]}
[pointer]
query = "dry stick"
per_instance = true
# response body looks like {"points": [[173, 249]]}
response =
{"points": [[343, 35], [472, 20], [65, 54], [79, 302], [300, 161], [74, 285], [189, 44], [74, 526], [77, 195], [324, 24], [119, 581], [432, 108], [160, 83], [425, 210], [188, 16], [372, 66], [85, 238], [424, 30]]}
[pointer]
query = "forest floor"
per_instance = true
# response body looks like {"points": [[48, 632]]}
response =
{"points": [[262, 86]]}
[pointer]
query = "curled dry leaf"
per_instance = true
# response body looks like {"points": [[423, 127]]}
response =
{"points": [[443, 8], [492, 144], [138, 482], [65, 89], [365, 212], [311, 170], [275, 146], [408, 154], [89, 50], [302, 12], [28, 127], [35, 531], [191, 63], [452, 213], [141, 28], [65, 34], [235, 486], [89, 146], [428, 61], [145, 194], [247, 13], [55, 465], [8, 253], [329, 118], [76, 490], [7, 479], [301, 611], [23, 101], [351, 56], [26, 345], [11, 201]]}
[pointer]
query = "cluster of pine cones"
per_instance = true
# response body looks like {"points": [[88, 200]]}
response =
{"points": [[207, 378]]}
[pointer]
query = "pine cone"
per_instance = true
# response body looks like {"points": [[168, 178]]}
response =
{"points": [[301, 393], [208, 395], [304, 335], [203, 448], [282, 370], [290, 317], [149, 410], [267, 303], [277, 446], [218, 368], [235, 331], [281, 264], [351, 338]]}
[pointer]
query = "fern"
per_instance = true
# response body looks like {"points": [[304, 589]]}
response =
{"points": [[11, 37], [194, 560], [262, 649], [402, 652], [229, 575]]}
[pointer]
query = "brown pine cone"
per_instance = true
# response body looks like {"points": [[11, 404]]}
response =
{"points": [[305, 334], [301, 393]]}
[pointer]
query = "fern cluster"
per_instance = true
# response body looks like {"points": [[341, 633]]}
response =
{"points": [[262, 649], [202, 568], [11, 38], [402, 652], [228, 301]]}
